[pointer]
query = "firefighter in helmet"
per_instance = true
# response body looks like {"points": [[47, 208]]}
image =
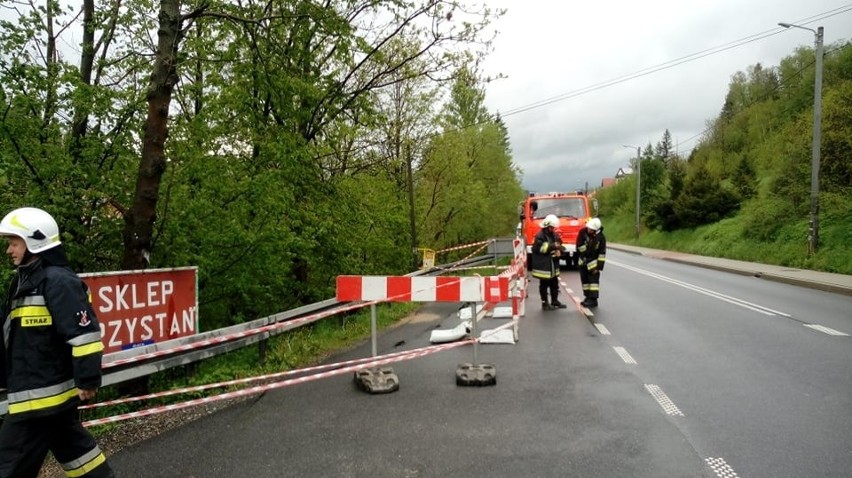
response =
{"points": [[591, 248], [51, 354], [546, 249]]}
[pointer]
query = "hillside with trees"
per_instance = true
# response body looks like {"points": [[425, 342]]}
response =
{"points": [[744, 191], [274, 145]]}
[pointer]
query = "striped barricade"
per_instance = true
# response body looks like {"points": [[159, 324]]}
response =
{"points": [[422, 289]]}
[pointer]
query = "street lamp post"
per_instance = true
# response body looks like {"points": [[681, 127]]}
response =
{"points": [[638, 186], [813, 232]]}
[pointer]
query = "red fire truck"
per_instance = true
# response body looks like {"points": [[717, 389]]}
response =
{"points": [[572, 209]]}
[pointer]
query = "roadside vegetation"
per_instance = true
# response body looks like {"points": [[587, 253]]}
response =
{"points": [[744, 192]]}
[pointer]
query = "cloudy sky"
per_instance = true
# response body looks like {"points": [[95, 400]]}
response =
{"points": [[562, 52]]}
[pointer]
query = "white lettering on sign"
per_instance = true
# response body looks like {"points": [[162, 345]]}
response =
{"points": [[133, 330], [127, 297]]}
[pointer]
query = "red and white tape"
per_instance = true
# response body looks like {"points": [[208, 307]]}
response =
{"points": [[236, 335], [242, 381], [465, 246], [375, 362]]}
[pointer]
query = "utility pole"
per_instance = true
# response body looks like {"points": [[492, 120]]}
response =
{"points": [[638, 187], [813, 230]]}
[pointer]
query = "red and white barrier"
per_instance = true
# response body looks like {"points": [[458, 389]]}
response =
{"points": [[422, 289], [363, 291]]}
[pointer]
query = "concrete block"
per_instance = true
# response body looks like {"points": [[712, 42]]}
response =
{"points": [[482, 375], [377, 380]]}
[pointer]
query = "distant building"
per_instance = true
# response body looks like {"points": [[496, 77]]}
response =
{"points": [[606, 182], [621, 174]]}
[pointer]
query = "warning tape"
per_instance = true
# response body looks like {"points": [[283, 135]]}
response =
{"points": [[479, 267], [518, 265], [350, 365], [341, 368], [454, 265], [240, 381], [465, 246], [486, 333], [236, 335], [375, 362]]}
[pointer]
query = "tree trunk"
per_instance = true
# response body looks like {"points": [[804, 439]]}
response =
{"points": [[139, 219], [87, 60], [51, 72]]}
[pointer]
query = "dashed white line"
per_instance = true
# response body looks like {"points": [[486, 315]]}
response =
{"points": [[826, 330], [668, 406], [602, 329], [721, 468], [622, 352]]}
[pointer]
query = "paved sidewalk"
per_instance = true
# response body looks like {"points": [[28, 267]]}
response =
{"points": [[838, 283]]}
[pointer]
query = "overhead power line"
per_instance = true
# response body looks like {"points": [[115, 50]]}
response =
{"points": [[672, 63]]}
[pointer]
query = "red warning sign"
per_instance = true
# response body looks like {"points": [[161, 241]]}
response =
{"points": [[136, 308]]}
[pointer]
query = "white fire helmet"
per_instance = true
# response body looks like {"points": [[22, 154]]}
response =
{"points": [[550, 221], [593, 224], [37, 228]]}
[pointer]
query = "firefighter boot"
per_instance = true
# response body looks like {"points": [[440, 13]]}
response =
{"points": [[558, 305], [587, 302], [545, 306]]}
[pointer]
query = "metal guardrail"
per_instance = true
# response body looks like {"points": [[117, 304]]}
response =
{"points": [[501, 247], [152, 366]]}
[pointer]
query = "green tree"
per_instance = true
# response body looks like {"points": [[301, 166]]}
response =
{"points": [[467, 173], [704, 200], [744, 179]]}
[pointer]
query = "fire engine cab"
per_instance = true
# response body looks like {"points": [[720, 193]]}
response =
{"points": [[572, 209]]}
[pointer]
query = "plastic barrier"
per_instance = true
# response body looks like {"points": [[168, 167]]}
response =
{"points": [[489, 289], [422, 289]]}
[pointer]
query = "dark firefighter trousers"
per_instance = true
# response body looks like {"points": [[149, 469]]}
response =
{"points": [[24, 445], [591, 283], [551, 285]]}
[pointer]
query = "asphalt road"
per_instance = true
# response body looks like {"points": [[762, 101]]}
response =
{"points": [[728, 381]]}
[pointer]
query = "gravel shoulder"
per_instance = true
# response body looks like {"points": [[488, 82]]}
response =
{"points": [[130, 432]]}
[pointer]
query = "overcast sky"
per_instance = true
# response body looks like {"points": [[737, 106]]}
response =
{"points": [[554, 48]]}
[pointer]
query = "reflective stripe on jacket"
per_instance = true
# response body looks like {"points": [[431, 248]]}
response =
{"points": [[51, 341], [543, 264], [591, 251]]}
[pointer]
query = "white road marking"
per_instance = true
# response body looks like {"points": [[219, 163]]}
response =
{"points": [[826, 330], [668, 406], [622, 352], [701, 290], [721, 468], [602, 329]]}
